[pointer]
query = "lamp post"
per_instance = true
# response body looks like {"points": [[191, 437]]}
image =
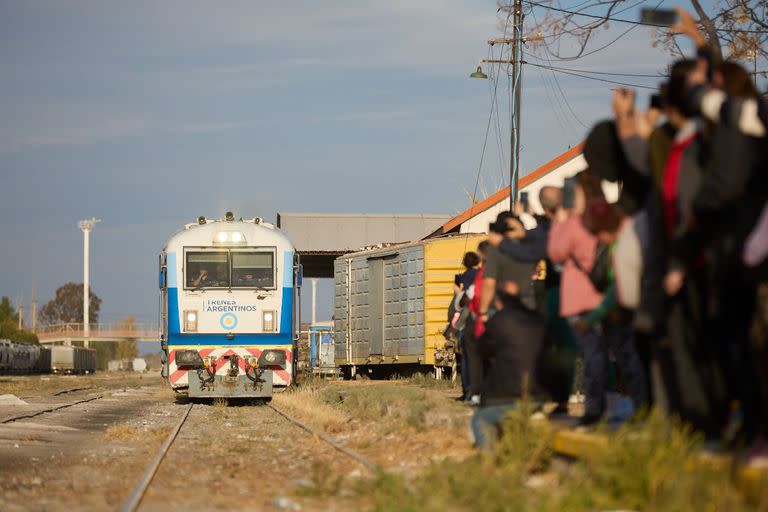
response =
{"points": [[86, 226], [517, 62]]}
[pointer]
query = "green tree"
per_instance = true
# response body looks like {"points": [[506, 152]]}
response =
{"points": [[9, 321], [126, 349], [7, 311], [67, 306]]}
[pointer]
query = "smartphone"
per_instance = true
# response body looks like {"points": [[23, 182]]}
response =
{"points": [[657, 101], [658, 17], [524, 201], [569, 192]]}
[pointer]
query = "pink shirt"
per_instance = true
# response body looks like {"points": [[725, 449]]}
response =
{"points": [[567, 239]]}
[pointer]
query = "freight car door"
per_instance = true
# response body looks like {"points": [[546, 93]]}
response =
{"points": [[376, 305]]}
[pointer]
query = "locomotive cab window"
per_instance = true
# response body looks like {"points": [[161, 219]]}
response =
{"points": [[252, 269], [207, 270]]}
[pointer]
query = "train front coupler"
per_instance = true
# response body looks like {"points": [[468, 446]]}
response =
{"points": [[209, 367], [250, 381]]}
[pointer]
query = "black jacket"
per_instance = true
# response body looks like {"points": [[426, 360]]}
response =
{"points": [[511, 347]]}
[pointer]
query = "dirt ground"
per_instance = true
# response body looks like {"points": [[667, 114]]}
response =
{"points": [[227, 456]]}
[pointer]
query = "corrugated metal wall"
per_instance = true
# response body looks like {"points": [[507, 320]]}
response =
{"points": [[411, 300], [404, 303]]}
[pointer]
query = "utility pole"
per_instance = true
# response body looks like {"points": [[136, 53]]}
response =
{"points": [[314, 300], [33, 309], [516, 61], [517, 75], [86, 226], [20, 311]]}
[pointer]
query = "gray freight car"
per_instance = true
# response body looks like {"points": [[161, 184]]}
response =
{"points": [[391, 306], [43, 360], [6, 356], [73, 360], [25, 358]]}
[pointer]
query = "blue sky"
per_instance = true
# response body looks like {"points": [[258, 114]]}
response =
{"points": [[147, 114]]}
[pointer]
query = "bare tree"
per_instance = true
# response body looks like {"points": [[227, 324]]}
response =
{"points": [[736, 29]]}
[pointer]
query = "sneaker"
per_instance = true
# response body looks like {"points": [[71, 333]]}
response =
{"points": [[474, 400]]}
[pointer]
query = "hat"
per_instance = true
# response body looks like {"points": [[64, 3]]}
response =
{"points": [[498, 227], [603, 152]]}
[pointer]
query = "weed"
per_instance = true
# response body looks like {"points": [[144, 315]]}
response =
{"points": [[128, 432], [428, 381], [305, 401], [406, 405], [323, 482], [654, 466]]}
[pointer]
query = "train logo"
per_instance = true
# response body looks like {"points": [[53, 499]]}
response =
{"points": [[228, 321]]}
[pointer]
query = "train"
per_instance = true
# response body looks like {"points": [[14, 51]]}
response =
{"points": [[229, 301], [21, 358]]}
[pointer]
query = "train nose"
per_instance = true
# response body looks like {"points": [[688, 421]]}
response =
{"points": [[234, 365]]}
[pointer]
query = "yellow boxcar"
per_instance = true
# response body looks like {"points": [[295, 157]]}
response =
{"points": [[391, 304]]}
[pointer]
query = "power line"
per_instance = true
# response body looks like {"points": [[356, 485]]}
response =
{"points": [[639, 75], [555, 80], [632, 22], [590, 77]]}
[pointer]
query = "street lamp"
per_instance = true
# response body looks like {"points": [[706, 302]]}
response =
{"points": [[86, 226], [479, 73]]}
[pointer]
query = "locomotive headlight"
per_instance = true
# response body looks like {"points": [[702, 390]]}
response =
{"points": [[272, 358], [268, 321], [190, 321], [229, 237], [188, 358]]}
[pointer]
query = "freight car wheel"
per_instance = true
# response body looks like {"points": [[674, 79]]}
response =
{"points": [[348, 372]]}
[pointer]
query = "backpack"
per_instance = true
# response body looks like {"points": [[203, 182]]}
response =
{"points": [[599, 276]]}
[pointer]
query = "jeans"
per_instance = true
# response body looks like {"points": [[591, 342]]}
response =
{"points": [[594, 345], [486, 422], [466, 380]]}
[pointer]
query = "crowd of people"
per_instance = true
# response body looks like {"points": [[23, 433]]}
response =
{"points": [[662, 294]]}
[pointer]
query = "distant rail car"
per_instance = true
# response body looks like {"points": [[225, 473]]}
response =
{"points": [[77, 360], [21, 358], [228, 297], [391, 304]]}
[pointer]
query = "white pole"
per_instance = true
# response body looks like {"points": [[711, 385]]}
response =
{"points": [[86, 287], [314, 300], [86, 226]]}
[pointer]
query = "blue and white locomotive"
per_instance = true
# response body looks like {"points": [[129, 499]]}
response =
{"points": [[228, 297]]}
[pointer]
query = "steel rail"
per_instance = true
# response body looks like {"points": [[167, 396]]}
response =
{"points": [[58, 393], [137, 493], [50, 409], [343, 449], [64, 392]]}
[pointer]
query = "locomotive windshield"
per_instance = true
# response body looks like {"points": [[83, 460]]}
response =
{"points": [[253, 269], [230, 269], [207, 269]]}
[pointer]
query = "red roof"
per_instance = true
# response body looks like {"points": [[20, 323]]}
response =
{"points": [[504, 193]]}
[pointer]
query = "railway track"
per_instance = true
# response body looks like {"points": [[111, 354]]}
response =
{"points": [[49, 410], [139, 490]]}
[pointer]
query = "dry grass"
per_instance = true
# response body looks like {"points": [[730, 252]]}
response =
{"points": [[128, 432], [165, 393], [30, 385], [306, 401]]}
